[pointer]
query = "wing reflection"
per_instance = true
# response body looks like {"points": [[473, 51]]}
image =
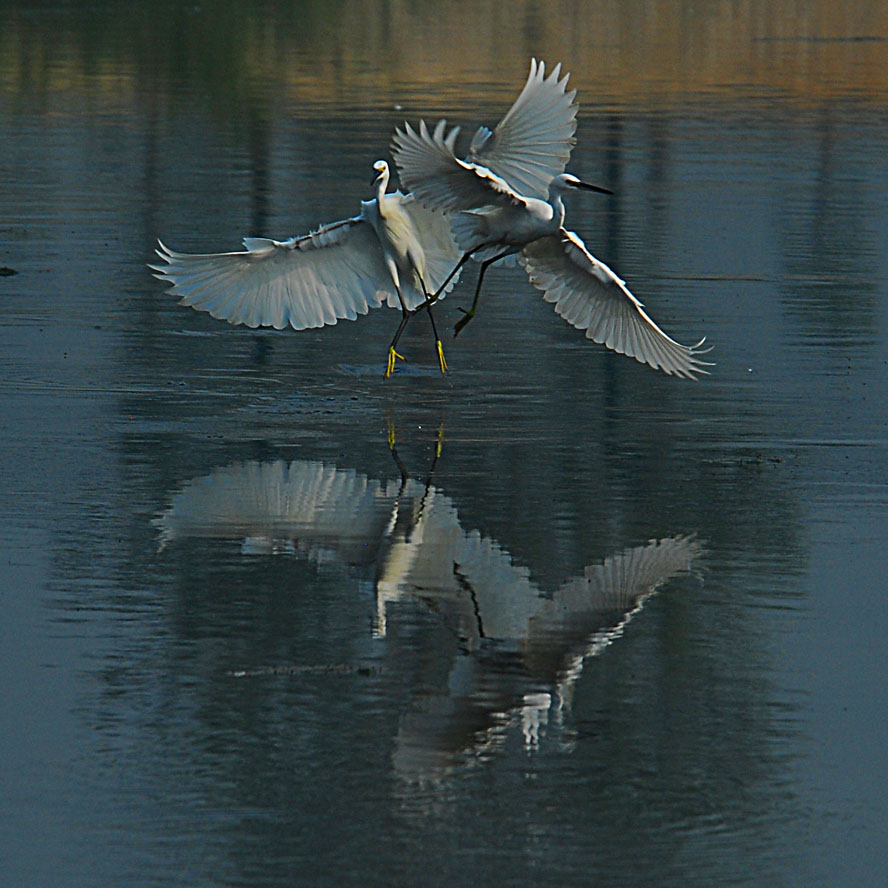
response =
{"points": [[278, 507], [530, 648], [520, 648]]}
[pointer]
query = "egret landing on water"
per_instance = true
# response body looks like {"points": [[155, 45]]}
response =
{"points": [[506, 201], [397, 252]]}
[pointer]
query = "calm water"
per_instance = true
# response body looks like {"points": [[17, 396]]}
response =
{"points": [[584, 624]]}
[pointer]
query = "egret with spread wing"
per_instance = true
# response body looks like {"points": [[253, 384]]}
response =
{"points": [[396, 252], [505, 200]]}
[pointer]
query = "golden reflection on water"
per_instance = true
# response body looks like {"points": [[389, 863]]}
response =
{"points": [[625, 53]]}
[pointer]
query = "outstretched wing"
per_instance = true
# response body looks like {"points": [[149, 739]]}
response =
{"points": [[626, 578], [429, 168], [277, 505], [588, 295], [588, 613], [333, 273], [532, 143]]}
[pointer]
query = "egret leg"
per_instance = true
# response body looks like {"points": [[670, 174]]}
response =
{"points": [[405, 317], [391, 435], [438, 346], [470, 313], [430, 300], [392, 354], [428, 306], [439, 444]]}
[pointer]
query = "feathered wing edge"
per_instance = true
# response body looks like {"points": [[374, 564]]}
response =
{"points": [[532, 143], [429, 168], [334, 273], [311, 505], [337, 272], [590, 297]]}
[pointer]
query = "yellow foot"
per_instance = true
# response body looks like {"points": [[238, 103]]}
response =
{"points": [[440, 442], [441, 360], [390, 366]]}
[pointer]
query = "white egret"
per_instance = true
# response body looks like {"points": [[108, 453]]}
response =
{"points": [[505, 199], [396, 252], [521, 646], [411, 535]]}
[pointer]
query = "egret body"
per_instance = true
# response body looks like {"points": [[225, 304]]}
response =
{"points": [[505, 199], [395, 253]]}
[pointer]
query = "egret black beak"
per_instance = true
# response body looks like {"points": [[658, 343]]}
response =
{"points": [[600, 189]]}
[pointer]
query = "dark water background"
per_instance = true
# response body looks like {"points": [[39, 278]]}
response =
{"points": [[240, 647]]}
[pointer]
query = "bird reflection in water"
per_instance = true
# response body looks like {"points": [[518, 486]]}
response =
{"points": [[521, 649]]}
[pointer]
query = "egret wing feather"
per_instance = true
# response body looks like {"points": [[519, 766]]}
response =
{"points": [[590, 297], [624, 580], [532, 143], [314, 507], [334, 273], [431, 170]]}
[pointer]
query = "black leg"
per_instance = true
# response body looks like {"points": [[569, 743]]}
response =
{"points": [[440, 349], [428, 306], [471, 312], [392, 354], [405, 317], [431, 300]]}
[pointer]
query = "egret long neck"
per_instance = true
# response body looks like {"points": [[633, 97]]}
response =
{"points": [[557, 205], [381, 188]]}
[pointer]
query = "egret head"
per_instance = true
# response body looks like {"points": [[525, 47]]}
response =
{"points": [[566, 181], [381, 172]]}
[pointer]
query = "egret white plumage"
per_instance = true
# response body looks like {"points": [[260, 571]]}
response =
{"points": [[396, 252], [411, 534], [505, 199], [521, 646]]}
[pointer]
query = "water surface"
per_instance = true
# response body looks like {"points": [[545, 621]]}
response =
{"points": [[584, 623]]}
